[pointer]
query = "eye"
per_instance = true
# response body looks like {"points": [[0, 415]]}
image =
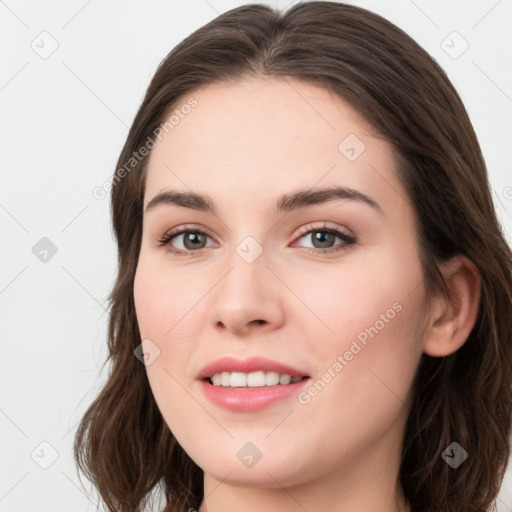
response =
{"points": [[192, 239], [323, 237]]}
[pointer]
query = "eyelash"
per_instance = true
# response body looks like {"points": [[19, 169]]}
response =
{"points": [[347, 239]]}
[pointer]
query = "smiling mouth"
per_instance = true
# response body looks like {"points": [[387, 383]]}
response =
{"points": [[256, 379]]}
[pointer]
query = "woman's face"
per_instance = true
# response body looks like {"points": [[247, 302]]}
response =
{"points": [[267, 277]]}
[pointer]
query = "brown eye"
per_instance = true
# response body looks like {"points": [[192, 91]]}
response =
{"points": [[193, 240]]}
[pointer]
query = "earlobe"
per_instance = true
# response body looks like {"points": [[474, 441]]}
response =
{"points": [[453, 317]]}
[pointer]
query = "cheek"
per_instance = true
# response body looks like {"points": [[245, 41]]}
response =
{"points": [[363, 296], [366, 333], [162, 297], [158, 310]]}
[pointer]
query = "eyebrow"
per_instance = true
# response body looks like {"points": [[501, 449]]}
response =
{"points": [[286, 203]]}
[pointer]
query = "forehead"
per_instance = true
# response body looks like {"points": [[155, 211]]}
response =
{"points": [[262, 137]]}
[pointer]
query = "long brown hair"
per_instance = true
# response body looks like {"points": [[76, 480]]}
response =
{"points": [[123, 444]]}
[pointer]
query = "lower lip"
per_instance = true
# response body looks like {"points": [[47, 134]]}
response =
{"points": [[249, 399]]}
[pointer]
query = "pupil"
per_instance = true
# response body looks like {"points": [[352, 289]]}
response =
{"points": [[191, 238], [321, 236]]}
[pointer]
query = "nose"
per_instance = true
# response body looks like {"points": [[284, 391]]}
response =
{"points": [[248, 298]]}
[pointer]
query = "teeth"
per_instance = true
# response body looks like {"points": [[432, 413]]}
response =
{"points": [[253, 379], [284, 379], [238, 380], [271, 378]]}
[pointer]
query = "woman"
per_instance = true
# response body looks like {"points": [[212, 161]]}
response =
{"points": [[367, 370]]}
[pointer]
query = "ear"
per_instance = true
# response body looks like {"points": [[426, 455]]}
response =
{"points": [[452, 319]]}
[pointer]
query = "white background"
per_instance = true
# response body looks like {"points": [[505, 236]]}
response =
{"points": [[64, 120]]}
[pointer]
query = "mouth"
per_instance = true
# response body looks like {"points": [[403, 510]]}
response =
{"points": [[252, 372], [250, 385]]}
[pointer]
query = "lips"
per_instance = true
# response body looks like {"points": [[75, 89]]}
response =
{"points": [[253, 364]]}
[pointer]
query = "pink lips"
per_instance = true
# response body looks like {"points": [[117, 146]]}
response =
{"points": [[248, 399]]}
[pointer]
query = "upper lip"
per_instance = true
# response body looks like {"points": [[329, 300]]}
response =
{"points": [[253, 364]]}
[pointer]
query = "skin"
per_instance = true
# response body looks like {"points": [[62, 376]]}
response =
{"points": [[245, 145]]}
